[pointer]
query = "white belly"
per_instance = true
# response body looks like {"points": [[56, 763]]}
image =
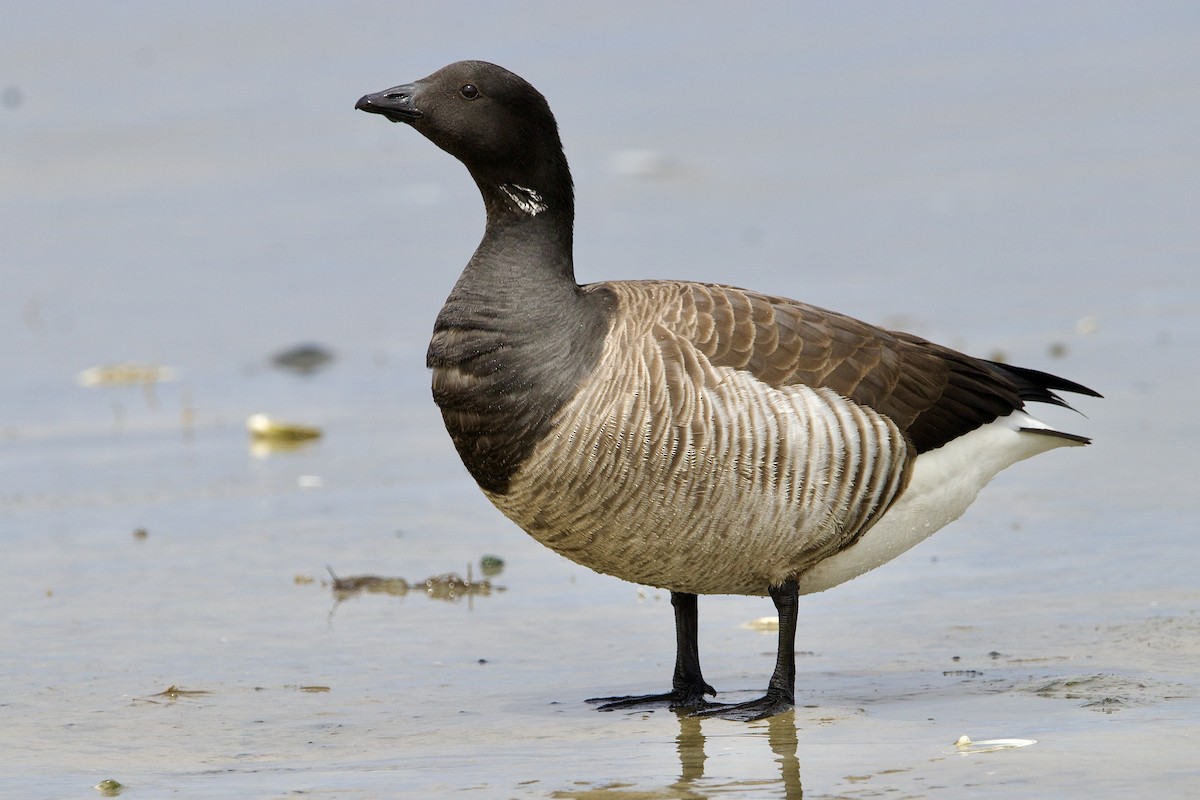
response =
{"points": [[944, 482]]}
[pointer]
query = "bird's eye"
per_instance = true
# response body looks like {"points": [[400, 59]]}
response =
{"points": [[469, 91]]}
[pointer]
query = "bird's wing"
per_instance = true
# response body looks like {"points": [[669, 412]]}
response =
{"points": [[932, 393]]}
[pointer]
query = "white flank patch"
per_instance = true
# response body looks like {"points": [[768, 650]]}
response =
{"points": [[526, 200], [944, 482]]}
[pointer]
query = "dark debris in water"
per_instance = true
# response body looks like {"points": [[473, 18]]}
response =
{"points": [[303, 359], [368, 583], [1108, 705], [1107, 693], [452, 586], [172, 693], [449, 586]]}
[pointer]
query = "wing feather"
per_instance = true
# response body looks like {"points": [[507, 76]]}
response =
{"points": [[932, 393]]}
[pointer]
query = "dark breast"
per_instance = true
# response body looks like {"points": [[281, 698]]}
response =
{"points": [[499, 379]]}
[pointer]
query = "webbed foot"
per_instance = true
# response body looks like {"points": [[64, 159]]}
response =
{"points": [[768, 705], [687, 699]]}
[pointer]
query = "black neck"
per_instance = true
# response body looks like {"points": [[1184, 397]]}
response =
{"points": [[517, 333]]}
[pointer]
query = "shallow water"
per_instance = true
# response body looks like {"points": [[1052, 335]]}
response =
{"points": [[194, 190]]}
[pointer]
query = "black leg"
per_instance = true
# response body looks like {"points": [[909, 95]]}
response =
{"points": [[687, 681], [781, 690], [688, 684]]}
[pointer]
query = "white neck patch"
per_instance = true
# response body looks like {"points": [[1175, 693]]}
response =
{"points": [[526, 200]]}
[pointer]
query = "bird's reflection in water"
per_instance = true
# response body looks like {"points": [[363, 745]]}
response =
{"points": [[690, 745], [781, 734], [694, 785]]}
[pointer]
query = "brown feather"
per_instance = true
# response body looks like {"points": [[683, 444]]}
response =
{"points": [[932, 393]]}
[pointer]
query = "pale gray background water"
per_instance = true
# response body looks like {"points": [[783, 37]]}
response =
{"points": [[191, 187]]}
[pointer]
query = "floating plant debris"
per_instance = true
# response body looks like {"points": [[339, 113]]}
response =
{"points": [[764, 624], [264, 428], [109, 787], [126, 374], [368, 583], [452, 586], [449, 586], [172, 692]]}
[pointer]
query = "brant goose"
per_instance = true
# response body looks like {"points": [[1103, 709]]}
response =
{"points": [[700, 438]]}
